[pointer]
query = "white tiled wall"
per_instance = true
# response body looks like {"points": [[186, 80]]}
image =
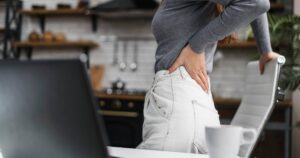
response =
{"points": [[227, 78]]}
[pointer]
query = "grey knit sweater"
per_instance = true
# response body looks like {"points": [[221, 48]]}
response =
{"points": [[181, 22]]}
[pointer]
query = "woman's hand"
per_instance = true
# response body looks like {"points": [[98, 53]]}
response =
{"points": [[265, 58], [194, 64]]}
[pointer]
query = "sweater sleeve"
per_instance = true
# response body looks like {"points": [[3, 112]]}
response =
{"points": [[261, 33], [238, 13]]}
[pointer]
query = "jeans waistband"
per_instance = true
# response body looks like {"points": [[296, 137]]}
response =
{"points": [[180, 72]]}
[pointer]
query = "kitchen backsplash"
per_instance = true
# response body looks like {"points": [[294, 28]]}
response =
{"points": [[227, 78]]}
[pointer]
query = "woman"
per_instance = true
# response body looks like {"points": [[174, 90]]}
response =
{"points": [[179, 105]]}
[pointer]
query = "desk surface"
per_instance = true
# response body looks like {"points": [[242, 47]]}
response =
{"points": [[137, 153]]}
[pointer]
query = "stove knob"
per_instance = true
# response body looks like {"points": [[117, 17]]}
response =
{"points": [[117, 104], [102, 103], [131, 105]]}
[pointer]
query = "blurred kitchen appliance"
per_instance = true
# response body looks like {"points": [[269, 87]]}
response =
{"points": [[123, 116], [118, 86]]}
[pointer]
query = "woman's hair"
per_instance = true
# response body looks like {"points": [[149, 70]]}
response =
{"points": [[228, 39]]}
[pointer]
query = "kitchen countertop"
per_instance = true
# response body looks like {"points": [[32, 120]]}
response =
{"points": [[217, 100]]}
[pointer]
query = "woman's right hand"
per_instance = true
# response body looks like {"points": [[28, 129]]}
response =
{"points": [[194, 64]]}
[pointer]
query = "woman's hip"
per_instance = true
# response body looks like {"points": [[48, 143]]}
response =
{"points": [[179, 90], [176, 112], [177, 99]]}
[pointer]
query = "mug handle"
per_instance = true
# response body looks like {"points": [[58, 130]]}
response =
{"points": [[249, 132]]}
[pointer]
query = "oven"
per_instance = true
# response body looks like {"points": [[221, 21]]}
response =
{"points": [[123, 118]]}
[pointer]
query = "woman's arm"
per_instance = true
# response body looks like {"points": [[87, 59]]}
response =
{"points": [[238, 13], [261, 33]]}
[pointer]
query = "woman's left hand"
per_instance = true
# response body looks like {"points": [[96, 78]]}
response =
{"points": [[265, 58]]}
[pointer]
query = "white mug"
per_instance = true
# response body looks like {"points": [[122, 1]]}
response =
{"points": [[225, 141]]}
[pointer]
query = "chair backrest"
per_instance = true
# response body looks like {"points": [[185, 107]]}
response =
{"points": [[258, 99]]}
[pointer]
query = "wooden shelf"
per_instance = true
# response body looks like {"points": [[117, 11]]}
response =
{"points": [[239, 44], [28, 46], [128, 14], [42, 13], [277, 6], [71, 44], [54, 12], [2, 30]]}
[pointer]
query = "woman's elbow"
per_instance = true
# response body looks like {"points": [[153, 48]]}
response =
{"points": [[261, 6]]}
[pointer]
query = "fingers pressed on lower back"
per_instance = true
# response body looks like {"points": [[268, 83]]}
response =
{"points": [[200, 82], [203, 78]]}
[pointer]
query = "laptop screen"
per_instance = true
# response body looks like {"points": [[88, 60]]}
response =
{"points": [[47, 111]]}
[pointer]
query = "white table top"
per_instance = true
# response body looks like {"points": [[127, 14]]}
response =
{"points": [[137, 153]]}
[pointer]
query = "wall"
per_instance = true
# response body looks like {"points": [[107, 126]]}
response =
{"points": [[296, 103], [297, 7], [227, 78]]}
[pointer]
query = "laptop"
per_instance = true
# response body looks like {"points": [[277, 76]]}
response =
{"points": [[47, 110]]}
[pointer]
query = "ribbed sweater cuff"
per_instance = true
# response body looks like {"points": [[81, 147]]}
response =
{"points": [[197, 46]]}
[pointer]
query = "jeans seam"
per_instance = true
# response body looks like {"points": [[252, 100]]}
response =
{"points": [[170, 114], [195, 125], [198, 147], [173, 99]]}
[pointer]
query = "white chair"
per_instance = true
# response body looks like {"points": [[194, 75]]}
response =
{"points": [[258, 100]]}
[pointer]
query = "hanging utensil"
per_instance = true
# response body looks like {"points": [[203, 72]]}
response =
{"points": [[123, 64], [133, 66], [115, 52]]}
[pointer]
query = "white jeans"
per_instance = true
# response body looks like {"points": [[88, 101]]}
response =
{"points": [[176, 112]]}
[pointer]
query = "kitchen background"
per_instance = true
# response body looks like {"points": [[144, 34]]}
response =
{"points": [[227, 78], [135, 37]]}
